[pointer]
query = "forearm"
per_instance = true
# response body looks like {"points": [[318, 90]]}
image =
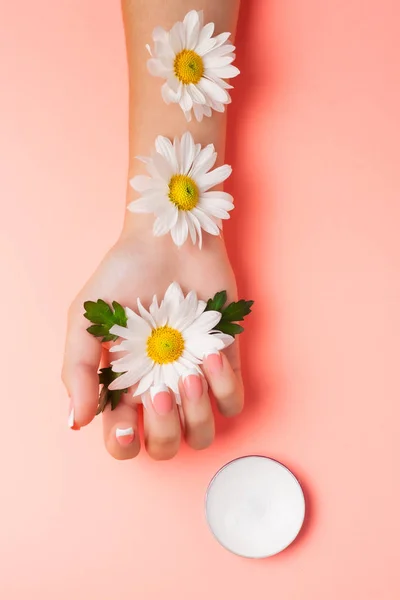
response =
{"points": [[149, 116]]}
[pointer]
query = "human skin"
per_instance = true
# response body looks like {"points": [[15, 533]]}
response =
{"points": [[141, 265]]}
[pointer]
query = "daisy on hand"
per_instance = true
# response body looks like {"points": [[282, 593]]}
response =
{"points": [[194, 65], [166, 341], [177, 190]]}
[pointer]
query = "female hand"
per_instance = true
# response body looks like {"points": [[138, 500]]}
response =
{"points": [[140, 265]]}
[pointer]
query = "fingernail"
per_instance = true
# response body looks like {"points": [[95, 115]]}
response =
{"points": [[71, 418], [161, 399], [214, 363], [124, 436], [193, 385]]}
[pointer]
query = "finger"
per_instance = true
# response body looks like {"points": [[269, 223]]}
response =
{"points": [[79, 372], [162, 427], [120, 429], [225, 382], [199, 419]]}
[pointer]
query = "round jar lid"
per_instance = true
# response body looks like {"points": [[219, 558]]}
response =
{"points": [[255, 506]]}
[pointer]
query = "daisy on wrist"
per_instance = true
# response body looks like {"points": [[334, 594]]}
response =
{"points": [[194, 65], [177, 190]]}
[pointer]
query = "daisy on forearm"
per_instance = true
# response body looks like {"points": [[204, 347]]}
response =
{"points": [[194, 65]]}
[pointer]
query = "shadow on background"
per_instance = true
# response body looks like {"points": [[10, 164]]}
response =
{"points": [[249, 186]]}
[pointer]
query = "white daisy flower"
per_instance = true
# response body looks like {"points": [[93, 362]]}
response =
{"points": [[166, 341], [177, 191], [194, 64]]}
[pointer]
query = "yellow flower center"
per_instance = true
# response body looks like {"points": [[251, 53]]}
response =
{"points": [[188, 67], [183, 192], [165, 345]]}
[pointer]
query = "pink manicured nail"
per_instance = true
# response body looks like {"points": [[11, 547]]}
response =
{"points": [[71, 418], [124, 436], [193, 385], [161, 399], [214, 363]]}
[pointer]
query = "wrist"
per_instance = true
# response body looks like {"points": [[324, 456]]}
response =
{"points": [[138, 228]]}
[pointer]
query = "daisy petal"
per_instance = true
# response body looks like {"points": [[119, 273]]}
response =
{"points": [[187, 151], [180, 230], [205, 34], [201, 306], [221, 39], [192, 26], [164, 168], [214, 177], [214, 62], [204, 162], [221, 82], [228, 72], [166, 149], [196, 95], [166, 221], [201, 17], [211, 89], [140, 183], [172, 297], [156, 68], [177, 37], [129, 361], [167, 94], [221, 51], [224, 199], [200, 345], [198, 112], [145, 314], [191, 227], [226, 339], [170, 376], [212, 210], [146, 205], [175, 85], [206, 222], [145, 383], [203, 324], [186, 101], [132, 376], [136, 323]]}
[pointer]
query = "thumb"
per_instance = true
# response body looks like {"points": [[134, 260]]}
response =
{"points": [[79, 371]]}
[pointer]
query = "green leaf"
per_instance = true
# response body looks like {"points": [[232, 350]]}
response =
{"points": [[217, 302], [236, 311], [98, 312], [103, 318], [229, 328], [98, 330], [119, 314], [112, 397]]}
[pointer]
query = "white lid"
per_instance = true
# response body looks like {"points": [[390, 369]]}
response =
{"points": [[255, 506]]}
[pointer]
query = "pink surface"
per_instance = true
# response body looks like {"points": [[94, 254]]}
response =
{"points": [[314, 142]]}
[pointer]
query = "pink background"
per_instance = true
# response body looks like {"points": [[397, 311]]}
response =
{"points": [[314, 141]]}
